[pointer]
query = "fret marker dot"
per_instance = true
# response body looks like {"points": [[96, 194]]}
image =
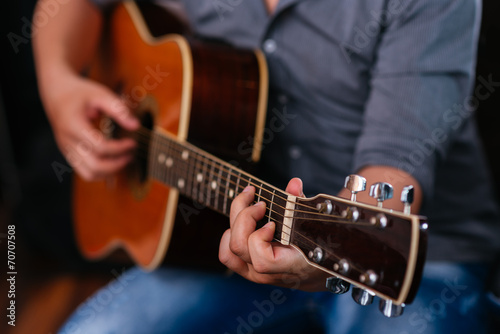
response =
{"points": [[199, 177], [213, 185], [180, 183], [231, 193], [161, 158], [169, 162], [185, 155]]}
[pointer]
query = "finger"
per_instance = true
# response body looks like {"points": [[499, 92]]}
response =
{"points": [[243, 227], [228, 258], [92, 168], [114, 148], [241, 202], [295, 187], [108, 103], [271, 258], [88, 138]]}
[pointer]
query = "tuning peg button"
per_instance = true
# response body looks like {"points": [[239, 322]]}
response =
{"points": [[389, 309], [355, 183], [407, 198], [325, 207], [342, 267], [362, 297], [381, 191], [337, 286], [368, 278]]}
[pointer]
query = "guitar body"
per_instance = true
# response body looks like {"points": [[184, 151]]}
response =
{"points": [[211, 95], [202, 109]]}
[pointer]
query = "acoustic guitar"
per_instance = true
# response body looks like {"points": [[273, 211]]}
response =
{"points": [[200, 103]]}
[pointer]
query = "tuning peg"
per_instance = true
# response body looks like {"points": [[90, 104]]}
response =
{"points": [[337, 286], [407, 198], [389, 309], [381, 191], [355, 183], [362, 297]]}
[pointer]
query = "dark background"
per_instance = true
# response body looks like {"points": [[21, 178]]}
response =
{"points": [[52, 277]]}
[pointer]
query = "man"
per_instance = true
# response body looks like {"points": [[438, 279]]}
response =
{"points": [[380, 88]]}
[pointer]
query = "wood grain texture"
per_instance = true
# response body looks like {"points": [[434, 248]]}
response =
{"points": [[207, 93]]}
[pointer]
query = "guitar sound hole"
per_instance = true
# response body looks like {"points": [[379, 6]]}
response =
{"points": [[137, 170], [143, 137]]}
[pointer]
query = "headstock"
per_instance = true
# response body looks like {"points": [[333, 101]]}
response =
{"points": [[379, 251]]}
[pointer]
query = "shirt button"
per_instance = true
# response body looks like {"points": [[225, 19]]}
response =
{"points": [[283, 99], [295, 152], [269, 46]]}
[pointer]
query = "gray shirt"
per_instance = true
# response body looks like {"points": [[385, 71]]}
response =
{"points": [[373, 82]]}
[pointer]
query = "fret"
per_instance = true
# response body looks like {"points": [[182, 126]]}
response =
{"points": [[190, 174], [237, 188], [163, 158], [174, 164], [182, 154], [266, 195], [232, 191], [200, 178], [168, 163], [211, 186], [219, 195], [271, 202], [277, 213], [204, 183], [227, 190], [197, 177], [258, 194]]}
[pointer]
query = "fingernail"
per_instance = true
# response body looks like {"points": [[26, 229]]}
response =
{"points": [[268, 224], [247, 189], [259, 203]]}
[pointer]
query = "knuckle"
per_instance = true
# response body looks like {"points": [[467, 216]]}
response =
{"points": [[261, 278], [236, 247], [261, 267], [224, 258]]}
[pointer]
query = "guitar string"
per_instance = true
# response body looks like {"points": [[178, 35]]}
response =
{"points": [[298, 236], [220, 167], [205, 169], [214, 163]]}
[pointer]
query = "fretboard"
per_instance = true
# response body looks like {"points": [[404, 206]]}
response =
{"points": [[210, 181]]}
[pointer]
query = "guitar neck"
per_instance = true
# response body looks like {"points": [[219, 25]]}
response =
{"points": [[215, 183], [327, 230]]}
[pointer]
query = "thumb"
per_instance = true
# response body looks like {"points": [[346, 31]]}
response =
{"points": [[108, 103], [295, 187]]}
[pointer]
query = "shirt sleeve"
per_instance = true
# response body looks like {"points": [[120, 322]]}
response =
{"points": [[420, 87]]}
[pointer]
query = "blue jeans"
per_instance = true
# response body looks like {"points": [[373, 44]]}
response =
{"points": [[450, 300]]}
